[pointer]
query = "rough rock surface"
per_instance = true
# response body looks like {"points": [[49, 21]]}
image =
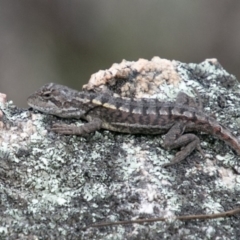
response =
{"points": [[54, 187]]}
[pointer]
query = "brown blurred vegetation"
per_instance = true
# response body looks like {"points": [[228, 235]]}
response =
{"points": [[65, 41]]}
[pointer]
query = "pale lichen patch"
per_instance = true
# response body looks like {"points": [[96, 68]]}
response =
{"points": [[146, 76]]}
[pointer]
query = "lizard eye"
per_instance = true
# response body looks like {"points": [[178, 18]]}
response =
{"points": [[47, 94]]}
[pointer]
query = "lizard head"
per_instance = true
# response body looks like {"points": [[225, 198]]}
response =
{"points": [[57, 100]]}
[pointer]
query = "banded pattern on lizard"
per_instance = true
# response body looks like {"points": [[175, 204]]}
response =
{"points": [[136, 116]]}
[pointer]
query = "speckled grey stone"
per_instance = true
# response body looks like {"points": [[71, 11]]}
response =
{"points": [[54, 187]]}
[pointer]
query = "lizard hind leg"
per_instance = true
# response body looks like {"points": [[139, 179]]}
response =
{"points": [[187, 142]]}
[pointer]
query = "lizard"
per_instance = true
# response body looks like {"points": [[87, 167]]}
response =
{"points": [[177, 119]]}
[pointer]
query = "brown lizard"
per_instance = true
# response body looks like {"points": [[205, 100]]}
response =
{"points": [[135, 116]]}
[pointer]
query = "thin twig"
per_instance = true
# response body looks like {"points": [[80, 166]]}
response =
{"points": [[181, 218]]}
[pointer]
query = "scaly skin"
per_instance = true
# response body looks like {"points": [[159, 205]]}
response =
{"points": [[144, 116]]}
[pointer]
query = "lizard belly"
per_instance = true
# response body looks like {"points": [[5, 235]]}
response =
{"points": [[136, 128]]}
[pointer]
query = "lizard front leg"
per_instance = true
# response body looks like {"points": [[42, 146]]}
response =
{"points": [[78, 130], [174, 139]]}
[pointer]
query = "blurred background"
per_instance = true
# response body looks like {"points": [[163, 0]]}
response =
{"points": [[65, 41]]}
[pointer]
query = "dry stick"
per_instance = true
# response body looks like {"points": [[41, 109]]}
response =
{"points": [[182, 218]]}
